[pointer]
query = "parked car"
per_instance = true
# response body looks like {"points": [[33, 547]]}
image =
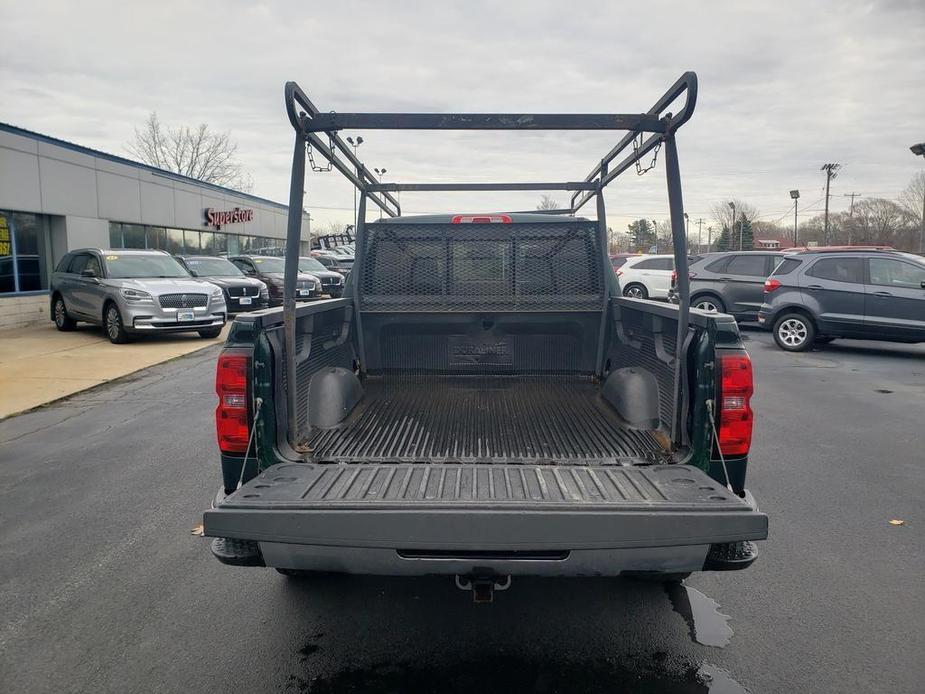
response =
{"points": [[334, 263], [820, 295], [729, 282], [242, 293], [132, 292], [269, 270], [646, 276], [618, 260], [332, 283]]}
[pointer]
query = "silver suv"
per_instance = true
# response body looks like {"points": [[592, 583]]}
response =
{"points": [[131, 292]]}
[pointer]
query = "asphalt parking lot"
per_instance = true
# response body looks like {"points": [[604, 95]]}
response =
{"points": [[104, 589]]}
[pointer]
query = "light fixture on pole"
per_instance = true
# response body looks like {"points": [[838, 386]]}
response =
{"points": [[795, 196], [380, 173], [919, 151], [732, 227], [687, 227], [355, 143], [655, 231]]}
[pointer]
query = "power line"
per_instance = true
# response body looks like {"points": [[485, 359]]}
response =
{"points": [[852, 196]]}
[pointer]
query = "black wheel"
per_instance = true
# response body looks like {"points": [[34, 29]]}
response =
{"points": [[636, 291], [708, 303], [63, 321], [794, 332], [114, 327], [210, 333]]}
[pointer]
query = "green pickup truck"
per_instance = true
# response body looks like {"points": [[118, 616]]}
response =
{"points": [[483, 403]]}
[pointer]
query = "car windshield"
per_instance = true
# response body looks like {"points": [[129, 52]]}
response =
{"points": [[212, 267], [133, 266], [309, 264], [269, 264]]}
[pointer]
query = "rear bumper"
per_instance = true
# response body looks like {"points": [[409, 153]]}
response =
{"points": [[389, 520]]}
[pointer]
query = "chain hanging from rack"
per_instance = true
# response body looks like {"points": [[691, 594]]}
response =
{"points": [[637, 143], [311, 159]]}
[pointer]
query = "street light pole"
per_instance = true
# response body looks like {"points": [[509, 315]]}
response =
{"points": [[732, 227], [919, 151], [795, 196], [355, 144], [380, 173], [709, 239], [687, 227]]}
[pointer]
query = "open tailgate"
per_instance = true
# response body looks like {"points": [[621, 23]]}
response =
{"points": [[484, 507]]}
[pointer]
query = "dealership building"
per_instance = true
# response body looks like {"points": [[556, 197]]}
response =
{"points": [[56, 196]]}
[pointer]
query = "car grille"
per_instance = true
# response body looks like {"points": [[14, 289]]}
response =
{"points": [[330, 282], [243, 291], [183, 300]]}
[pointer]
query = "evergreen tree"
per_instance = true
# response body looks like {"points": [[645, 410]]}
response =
{"points": [[722, 243], [642, 235]]}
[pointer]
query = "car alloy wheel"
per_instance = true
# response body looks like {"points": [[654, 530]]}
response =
{"points": [[793, 332], [60, 314], [635, 293], [114, 329], [707, 305]]}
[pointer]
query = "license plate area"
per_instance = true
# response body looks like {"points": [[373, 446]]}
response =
{"points": [[303, 292], [245, 301], [183, 316]]}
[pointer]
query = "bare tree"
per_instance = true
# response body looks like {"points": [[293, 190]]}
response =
{"points": [[722, 213], [547, 203], [911, 198], [198, 152]]}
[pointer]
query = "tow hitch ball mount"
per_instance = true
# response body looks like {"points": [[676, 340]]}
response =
{"points": [[483, 587]]}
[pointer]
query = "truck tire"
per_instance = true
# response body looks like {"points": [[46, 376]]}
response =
{"points": [[210, 333], [113, 325], [63, 321], [636, 291], [794, 332]]}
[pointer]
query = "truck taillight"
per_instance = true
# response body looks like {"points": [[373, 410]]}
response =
{"points": [[231, 418], [770, 285], [481, 219], [735, 386]]}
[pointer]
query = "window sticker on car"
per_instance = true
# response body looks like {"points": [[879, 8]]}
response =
{"points": [[112, 257], [258, 260]]}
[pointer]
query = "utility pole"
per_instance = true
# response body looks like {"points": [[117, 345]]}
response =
{"points": [[709, 239], [852, 196], [699, 234], [795, 196], [831, 171]]}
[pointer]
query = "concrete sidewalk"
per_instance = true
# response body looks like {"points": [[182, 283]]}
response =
{"points": [[39, 365]]}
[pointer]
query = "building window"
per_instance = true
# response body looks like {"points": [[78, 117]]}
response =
{"points": [[190, 242], [23, 252]]}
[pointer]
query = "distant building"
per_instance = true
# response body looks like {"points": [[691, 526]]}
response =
{"points": [[56, 196]]}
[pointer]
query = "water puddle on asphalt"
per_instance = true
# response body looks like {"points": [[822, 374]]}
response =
{"points": [[707, 625], [510, 673]]}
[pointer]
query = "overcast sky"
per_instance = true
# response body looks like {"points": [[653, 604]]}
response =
{"points": [[784, 88]]}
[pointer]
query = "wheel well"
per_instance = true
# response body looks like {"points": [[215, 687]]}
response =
{"points": [[798, 310], [634, 283], [712, 295], [106, 305], [55, 295]]}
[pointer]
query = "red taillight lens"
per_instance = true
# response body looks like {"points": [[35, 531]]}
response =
{"points": [[770, 285], [481, 219], [735, 387], [619, 271], [674, 277], [231, 420]]}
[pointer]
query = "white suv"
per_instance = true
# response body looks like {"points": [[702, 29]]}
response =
{"points": [[646, 276]]}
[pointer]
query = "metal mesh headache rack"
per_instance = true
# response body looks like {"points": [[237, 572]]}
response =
{"points": [[539, 268]]}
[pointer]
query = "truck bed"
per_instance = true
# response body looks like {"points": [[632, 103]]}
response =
{"points": [[482, 419]]}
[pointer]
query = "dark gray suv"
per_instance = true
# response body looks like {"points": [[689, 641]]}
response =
{"points": [[866, 294], [731, 282]]}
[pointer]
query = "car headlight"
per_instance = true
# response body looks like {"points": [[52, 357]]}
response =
{"points": [[135, 295], [264, 292], [217, 293]]}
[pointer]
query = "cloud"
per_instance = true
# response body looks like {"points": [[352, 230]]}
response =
{"points": [[784, 88]]}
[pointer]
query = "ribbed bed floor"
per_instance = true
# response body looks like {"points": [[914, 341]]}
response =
{"points": [[498, 419]]}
